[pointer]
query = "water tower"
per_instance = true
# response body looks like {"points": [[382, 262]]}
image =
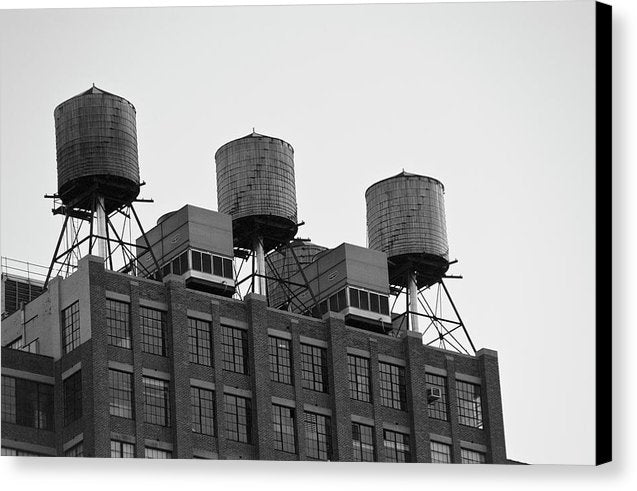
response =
{"points": [[98, 179], [406, 220], [255, 185]]}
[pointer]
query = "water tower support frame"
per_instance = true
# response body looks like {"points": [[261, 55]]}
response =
{"points": [[101, 225], [448, 332]]}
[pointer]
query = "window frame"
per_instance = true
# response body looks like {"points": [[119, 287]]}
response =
{"points": [[391, 445], [153, 342], [359, 371], [203, 417], [72, 393], [314, 374], [71, 327], [157, 390], [118, 323], [280, 356], [284, 428], [116, 408], [234, 349], [360, 448], [393, 386], [318, 443], [469, 399], [238, 418], [200, 341]]}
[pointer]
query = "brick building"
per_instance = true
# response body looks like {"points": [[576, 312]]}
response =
{"points": [[128, 366]]}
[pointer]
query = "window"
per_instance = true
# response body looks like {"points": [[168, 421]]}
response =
{"points": [[75, 450], [373, 302], [437, 409], [122, 450], [153, 326], [392, 386], [120, 388], [32, 347], [27, 403], [280, 366], [440, 453], [469, 404], [472, 457], [211, 264], [157, 406], [180, 264], [14, 452], [72, 398], [358, 378], [314, 368], [202, 409], [71, 327], [199, 342], [15, 344], [283, 423], [157, 453], [396, 446], [317, 436], [363, 442], [238, 418], [234, 349], [118, 323]]}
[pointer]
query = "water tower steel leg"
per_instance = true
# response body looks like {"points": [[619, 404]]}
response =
{"points": [[413, 301], [57, 248], [100, 214], [260, 259]]}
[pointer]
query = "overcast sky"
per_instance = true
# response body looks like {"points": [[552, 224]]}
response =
{"points": [[495, 100]]}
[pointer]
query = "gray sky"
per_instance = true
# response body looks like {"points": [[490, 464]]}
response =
{"points": [[495, 100]]}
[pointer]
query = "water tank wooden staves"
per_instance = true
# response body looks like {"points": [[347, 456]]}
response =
{"points": [[406, 220], [96, 142], [255, 185]]}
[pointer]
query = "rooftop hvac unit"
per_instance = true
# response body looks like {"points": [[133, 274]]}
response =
{"points": [[433, 394]]}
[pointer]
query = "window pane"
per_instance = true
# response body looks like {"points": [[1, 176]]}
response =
{"points": [[342, 300], [437, 409], [156, 402], [363, 443], [206, 262], [396, 446], [156, 453], [472, 456], [318, 436], [353, 297], [384, 305], [217, 266], [234, 349], [440, 453], [71, 327], [283, 425], [202, 410], [469, 404], [118, 323], [227, 268], [199, 341], [196, 260], [238, 418], [122, 450], [364, 300], [121, 393], [314, 368], [280, 363], [358, 378], [153, 327], [374, 306], [72, 387], [392, 386]]}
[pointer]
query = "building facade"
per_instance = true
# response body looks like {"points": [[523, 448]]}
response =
{"points": [[134, 367]]}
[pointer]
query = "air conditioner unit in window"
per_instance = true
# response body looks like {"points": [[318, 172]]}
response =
{"points": [[433, 394]]}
